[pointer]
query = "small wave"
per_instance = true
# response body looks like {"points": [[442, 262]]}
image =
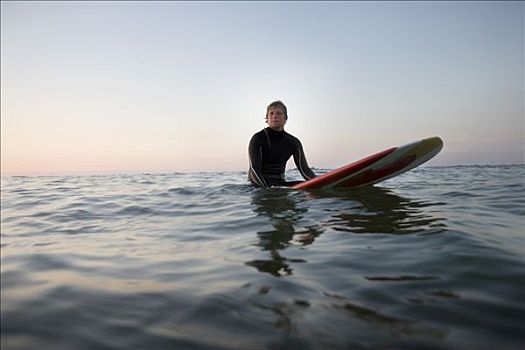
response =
{"points": [[401, 278], [455, 194], [183, 191], [135, 210], [72, 230]]}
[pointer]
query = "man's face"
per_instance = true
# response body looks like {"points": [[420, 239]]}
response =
{"points": [[275, 118]]}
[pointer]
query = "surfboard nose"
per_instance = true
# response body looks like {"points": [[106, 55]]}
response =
{"points": [[436, 141]]}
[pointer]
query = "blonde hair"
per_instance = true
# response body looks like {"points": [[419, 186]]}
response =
{"points": [[279, 104]]}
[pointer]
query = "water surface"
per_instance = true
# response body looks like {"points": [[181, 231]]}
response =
{"points": [[432, 259]]}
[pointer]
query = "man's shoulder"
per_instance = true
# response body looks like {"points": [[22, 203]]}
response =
{"points": [[258, 135], [292, 138]]}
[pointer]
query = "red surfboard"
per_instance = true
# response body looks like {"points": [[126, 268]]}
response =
{"points": [[377, 167]]}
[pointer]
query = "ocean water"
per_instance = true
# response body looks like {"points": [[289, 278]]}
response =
{"points": [[431, 259]]}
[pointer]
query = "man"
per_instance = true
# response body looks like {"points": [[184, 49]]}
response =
{"points": [[270, 149]]}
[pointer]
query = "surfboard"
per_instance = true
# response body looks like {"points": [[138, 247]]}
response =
{"points": [[377, 167]]}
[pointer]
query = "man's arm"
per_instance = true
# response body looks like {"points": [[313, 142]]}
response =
{"points": [[255, 154], [301, 163]]}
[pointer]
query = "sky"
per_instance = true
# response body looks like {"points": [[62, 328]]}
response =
{"points": [[105, 87]]}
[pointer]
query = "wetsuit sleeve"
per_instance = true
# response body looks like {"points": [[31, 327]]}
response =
{"points": [[301, 163], [255, 154]]}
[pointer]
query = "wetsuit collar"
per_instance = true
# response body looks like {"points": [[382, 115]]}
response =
{"points": [[275, 132]]}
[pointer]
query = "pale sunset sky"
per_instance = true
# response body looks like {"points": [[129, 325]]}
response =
{"points": [[105, 87]]}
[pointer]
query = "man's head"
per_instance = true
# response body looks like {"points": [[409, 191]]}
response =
{"points": [[279, 104], [276, 115]]}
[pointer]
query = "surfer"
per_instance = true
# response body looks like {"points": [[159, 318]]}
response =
{"points": [[270, 149]]}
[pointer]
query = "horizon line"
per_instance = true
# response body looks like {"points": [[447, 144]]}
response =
{"points": [[194, 171]]}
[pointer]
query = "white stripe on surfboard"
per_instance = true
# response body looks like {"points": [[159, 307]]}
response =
{"points": [[398, 153]]}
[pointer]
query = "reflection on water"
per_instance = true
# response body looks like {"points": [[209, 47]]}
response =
{"points": [[398, 326], [362, 210], [379, 210], [282, 208]]}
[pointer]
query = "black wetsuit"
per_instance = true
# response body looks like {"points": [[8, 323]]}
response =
{"points": [[269, 151]]}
